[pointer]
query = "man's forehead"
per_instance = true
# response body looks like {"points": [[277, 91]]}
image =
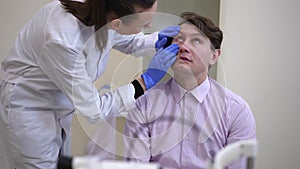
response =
{"points": [[191, 30]]}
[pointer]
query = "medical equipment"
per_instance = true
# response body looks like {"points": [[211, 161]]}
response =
{"points": [[243, 148], [89, 162]]}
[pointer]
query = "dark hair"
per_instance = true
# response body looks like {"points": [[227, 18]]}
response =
{"points": [[94, 12], [206, 26]]}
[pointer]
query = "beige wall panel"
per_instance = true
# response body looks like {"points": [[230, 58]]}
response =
{"points": [[260, 61]]}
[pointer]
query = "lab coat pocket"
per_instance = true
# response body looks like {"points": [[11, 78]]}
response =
{"points": [[35, 133], [6, 89]]}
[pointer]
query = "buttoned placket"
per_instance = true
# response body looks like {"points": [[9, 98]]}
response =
{"points": [[187, 121]]}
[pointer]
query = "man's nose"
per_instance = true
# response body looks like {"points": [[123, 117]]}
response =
{"points": [[184, 46]]}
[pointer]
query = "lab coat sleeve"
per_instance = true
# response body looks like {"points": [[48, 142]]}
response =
{"points": [[66, 68], [137, 45]]}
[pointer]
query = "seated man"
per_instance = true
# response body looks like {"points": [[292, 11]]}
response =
{"points": [[185, 121]]}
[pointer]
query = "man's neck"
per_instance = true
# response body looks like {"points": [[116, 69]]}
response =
{"points": [[189, 82]]}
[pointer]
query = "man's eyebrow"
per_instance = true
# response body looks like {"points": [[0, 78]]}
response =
{"points": [[179, 33], [197, 34], [192, 34]]}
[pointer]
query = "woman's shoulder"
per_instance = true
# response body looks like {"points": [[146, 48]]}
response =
{"points": [[62, 26]]}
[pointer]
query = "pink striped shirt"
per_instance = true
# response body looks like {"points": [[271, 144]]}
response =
{"points": [[184, 129]]}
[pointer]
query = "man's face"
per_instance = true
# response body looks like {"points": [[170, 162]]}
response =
{"points": [[195, 52]]}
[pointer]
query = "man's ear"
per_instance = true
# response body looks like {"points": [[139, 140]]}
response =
{"points": [[215, 56], [115, 24]]}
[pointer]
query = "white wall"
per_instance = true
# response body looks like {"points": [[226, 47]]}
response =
{"points": [[14, 14], [261, 62]]}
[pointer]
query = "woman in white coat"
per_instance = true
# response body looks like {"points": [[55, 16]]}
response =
{"points": [[49, 73]]}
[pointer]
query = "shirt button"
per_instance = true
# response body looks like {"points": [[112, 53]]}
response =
{"points": [[185, 162]]}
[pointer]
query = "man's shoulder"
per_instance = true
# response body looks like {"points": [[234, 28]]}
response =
{"points": [[228, 94]]}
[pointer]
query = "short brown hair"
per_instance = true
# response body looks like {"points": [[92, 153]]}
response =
{"points": [[206, 26]]}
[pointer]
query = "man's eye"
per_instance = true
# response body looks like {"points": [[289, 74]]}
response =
{"points": [[179, 39], [196, 41]]}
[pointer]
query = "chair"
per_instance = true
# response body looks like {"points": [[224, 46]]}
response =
{"points": [[243, 148]]}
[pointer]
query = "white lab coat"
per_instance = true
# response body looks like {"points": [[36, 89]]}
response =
{"points": [[47, 75]]}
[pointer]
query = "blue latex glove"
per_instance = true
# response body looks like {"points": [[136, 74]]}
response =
{"points": [[159, 65], [165, 36]]}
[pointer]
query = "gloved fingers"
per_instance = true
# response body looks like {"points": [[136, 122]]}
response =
{"points": [[170, 62], [160, 43], [169, 49], [165, 36], [170, 31], [168, 53]]}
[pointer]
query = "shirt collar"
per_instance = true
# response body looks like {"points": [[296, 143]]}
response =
{"points": [[199, 93]]}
